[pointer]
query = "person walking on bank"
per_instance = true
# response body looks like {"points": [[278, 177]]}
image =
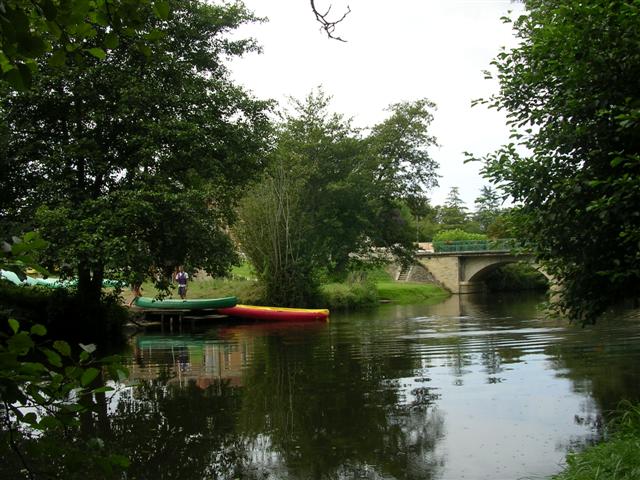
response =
{"points": [[181, 278]]}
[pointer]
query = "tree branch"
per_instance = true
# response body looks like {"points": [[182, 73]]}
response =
{"points": [[327, 25], [12, 441]]}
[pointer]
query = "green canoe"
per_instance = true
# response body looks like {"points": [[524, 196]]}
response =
{"points": [[177, 304]]}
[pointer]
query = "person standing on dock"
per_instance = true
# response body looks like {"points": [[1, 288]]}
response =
{"points": [[181, 278], [136, 289]]}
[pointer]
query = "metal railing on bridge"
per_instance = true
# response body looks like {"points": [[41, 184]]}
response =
{"points": [[498, 245]]}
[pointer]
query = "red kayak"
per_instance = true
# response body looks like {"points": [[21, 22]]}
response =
{"points": [[274, 313]]}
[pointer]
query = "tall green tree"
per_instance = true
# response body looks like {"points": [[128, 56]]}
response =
{"points": [[453, 214], [488, 208], [571, 90], [133, 164], [331, 194]]}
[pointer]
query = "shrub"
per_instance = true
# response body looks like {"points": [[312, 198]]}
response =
{"points": [[457, 235], [342, 296], [61, 312]]}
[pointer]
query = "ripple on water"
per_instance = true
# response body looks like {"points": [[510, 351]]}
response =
{"points": [[484, 390]]}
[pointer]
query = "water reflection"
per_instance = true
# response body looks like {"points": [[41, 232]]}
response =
{"points": [[474, 387]]}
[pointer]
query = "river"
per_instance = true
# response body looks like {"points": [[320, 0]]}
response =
{"points": [[475, 387]]}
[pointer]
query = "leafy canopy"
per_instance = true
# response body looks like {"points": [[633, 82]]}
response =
{"points": [[132, 164], [58, 29], [330, 195], [571, 90]]}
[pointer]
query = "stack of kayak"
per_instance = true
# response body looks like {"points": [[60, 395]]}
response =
{"points": [[228, 306], [51, 282]]}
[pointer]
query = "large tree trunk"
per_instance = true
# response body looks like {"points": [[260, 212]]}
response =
{"points": [[92, 321]]}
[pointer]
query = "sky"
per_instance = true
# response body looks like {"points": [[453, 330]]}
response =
{"points": [[394, 51]]}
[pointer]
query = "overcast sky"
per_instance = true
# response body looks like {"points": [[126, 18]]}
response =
{"points": [[395, 51]]}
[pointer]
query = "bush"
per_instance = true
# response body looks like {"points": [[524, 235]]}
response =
{"points": [[342, 296], [457, 235], [61, 312]]}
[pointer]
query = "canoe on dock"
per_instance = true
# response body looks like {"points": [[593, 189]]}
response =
{"points": [[191, 304], [275, 313]]}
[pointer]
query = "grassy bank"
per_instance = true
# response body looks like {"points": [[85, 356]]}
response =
{"points": [[247, 291], [367, 291], [408, 292], [615, 458]]}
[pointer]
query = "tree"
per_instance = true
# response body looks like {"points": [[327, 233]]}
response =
{"points": [[132, 164], [453, 214], [31, 30], [571, 90], [487, 208], [399, 149], [330, 195]]}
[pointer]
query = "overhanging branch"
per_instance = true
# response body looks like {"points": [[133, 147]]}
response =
{"points": [[327, 25]]}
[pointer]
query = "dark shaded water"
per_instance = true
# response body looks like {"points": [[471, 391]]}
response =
{"points": [[477, 388]]}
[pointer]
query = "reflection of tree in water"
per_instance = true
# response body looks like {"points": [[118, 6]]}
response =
{"points": [[312, 409], [179, 433], [601, 362], [338, 415]]}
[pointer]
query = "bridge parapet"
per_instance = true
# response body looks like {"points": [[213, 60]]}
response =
{"points": [[497, 245]]}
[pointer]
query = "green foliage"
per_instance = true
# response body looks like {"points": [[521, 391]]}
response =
{"points": [[344, 296], [453, 214], [457, 235], [570, 90], [21, 254], [132, 164], [616, 458], [61, 311], [398, 152], [62, 31], [331, 195], [488, 209], [48, 394], [515, 277]]}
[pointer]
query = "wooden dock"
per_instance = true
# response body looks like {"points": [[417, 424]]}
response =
{"points": [[176, 317]]}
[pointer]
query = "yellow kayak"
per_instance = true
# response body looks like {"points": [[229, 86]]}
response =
{"points": [[274, 313]]}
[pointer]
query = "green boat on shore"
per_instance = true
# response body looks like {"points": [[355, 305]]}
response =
{"points": [[192, 304]]}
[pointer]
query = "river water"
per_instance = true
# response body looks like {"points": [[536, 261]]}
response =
{"points": [[471, 388]]}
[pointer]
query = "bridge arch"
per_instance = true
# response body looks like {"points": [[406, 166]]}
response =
{"points": [[462, 272], [483, 271]]}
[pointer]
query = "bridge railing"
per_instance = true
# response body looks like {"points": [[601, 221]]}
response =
{"points": [[498, 245]]}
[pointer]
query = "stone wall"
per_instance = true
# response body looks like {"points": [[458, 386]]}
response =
{"points": [[446, 270], [420, 274]]}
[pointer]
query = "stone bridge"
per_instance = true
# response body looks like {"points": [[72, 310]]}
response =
{"points": [[462, 272]]}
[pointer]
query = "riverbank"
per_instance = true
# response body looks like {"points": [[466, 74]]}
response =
{"points": [[615, 458], [334, 296]]}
